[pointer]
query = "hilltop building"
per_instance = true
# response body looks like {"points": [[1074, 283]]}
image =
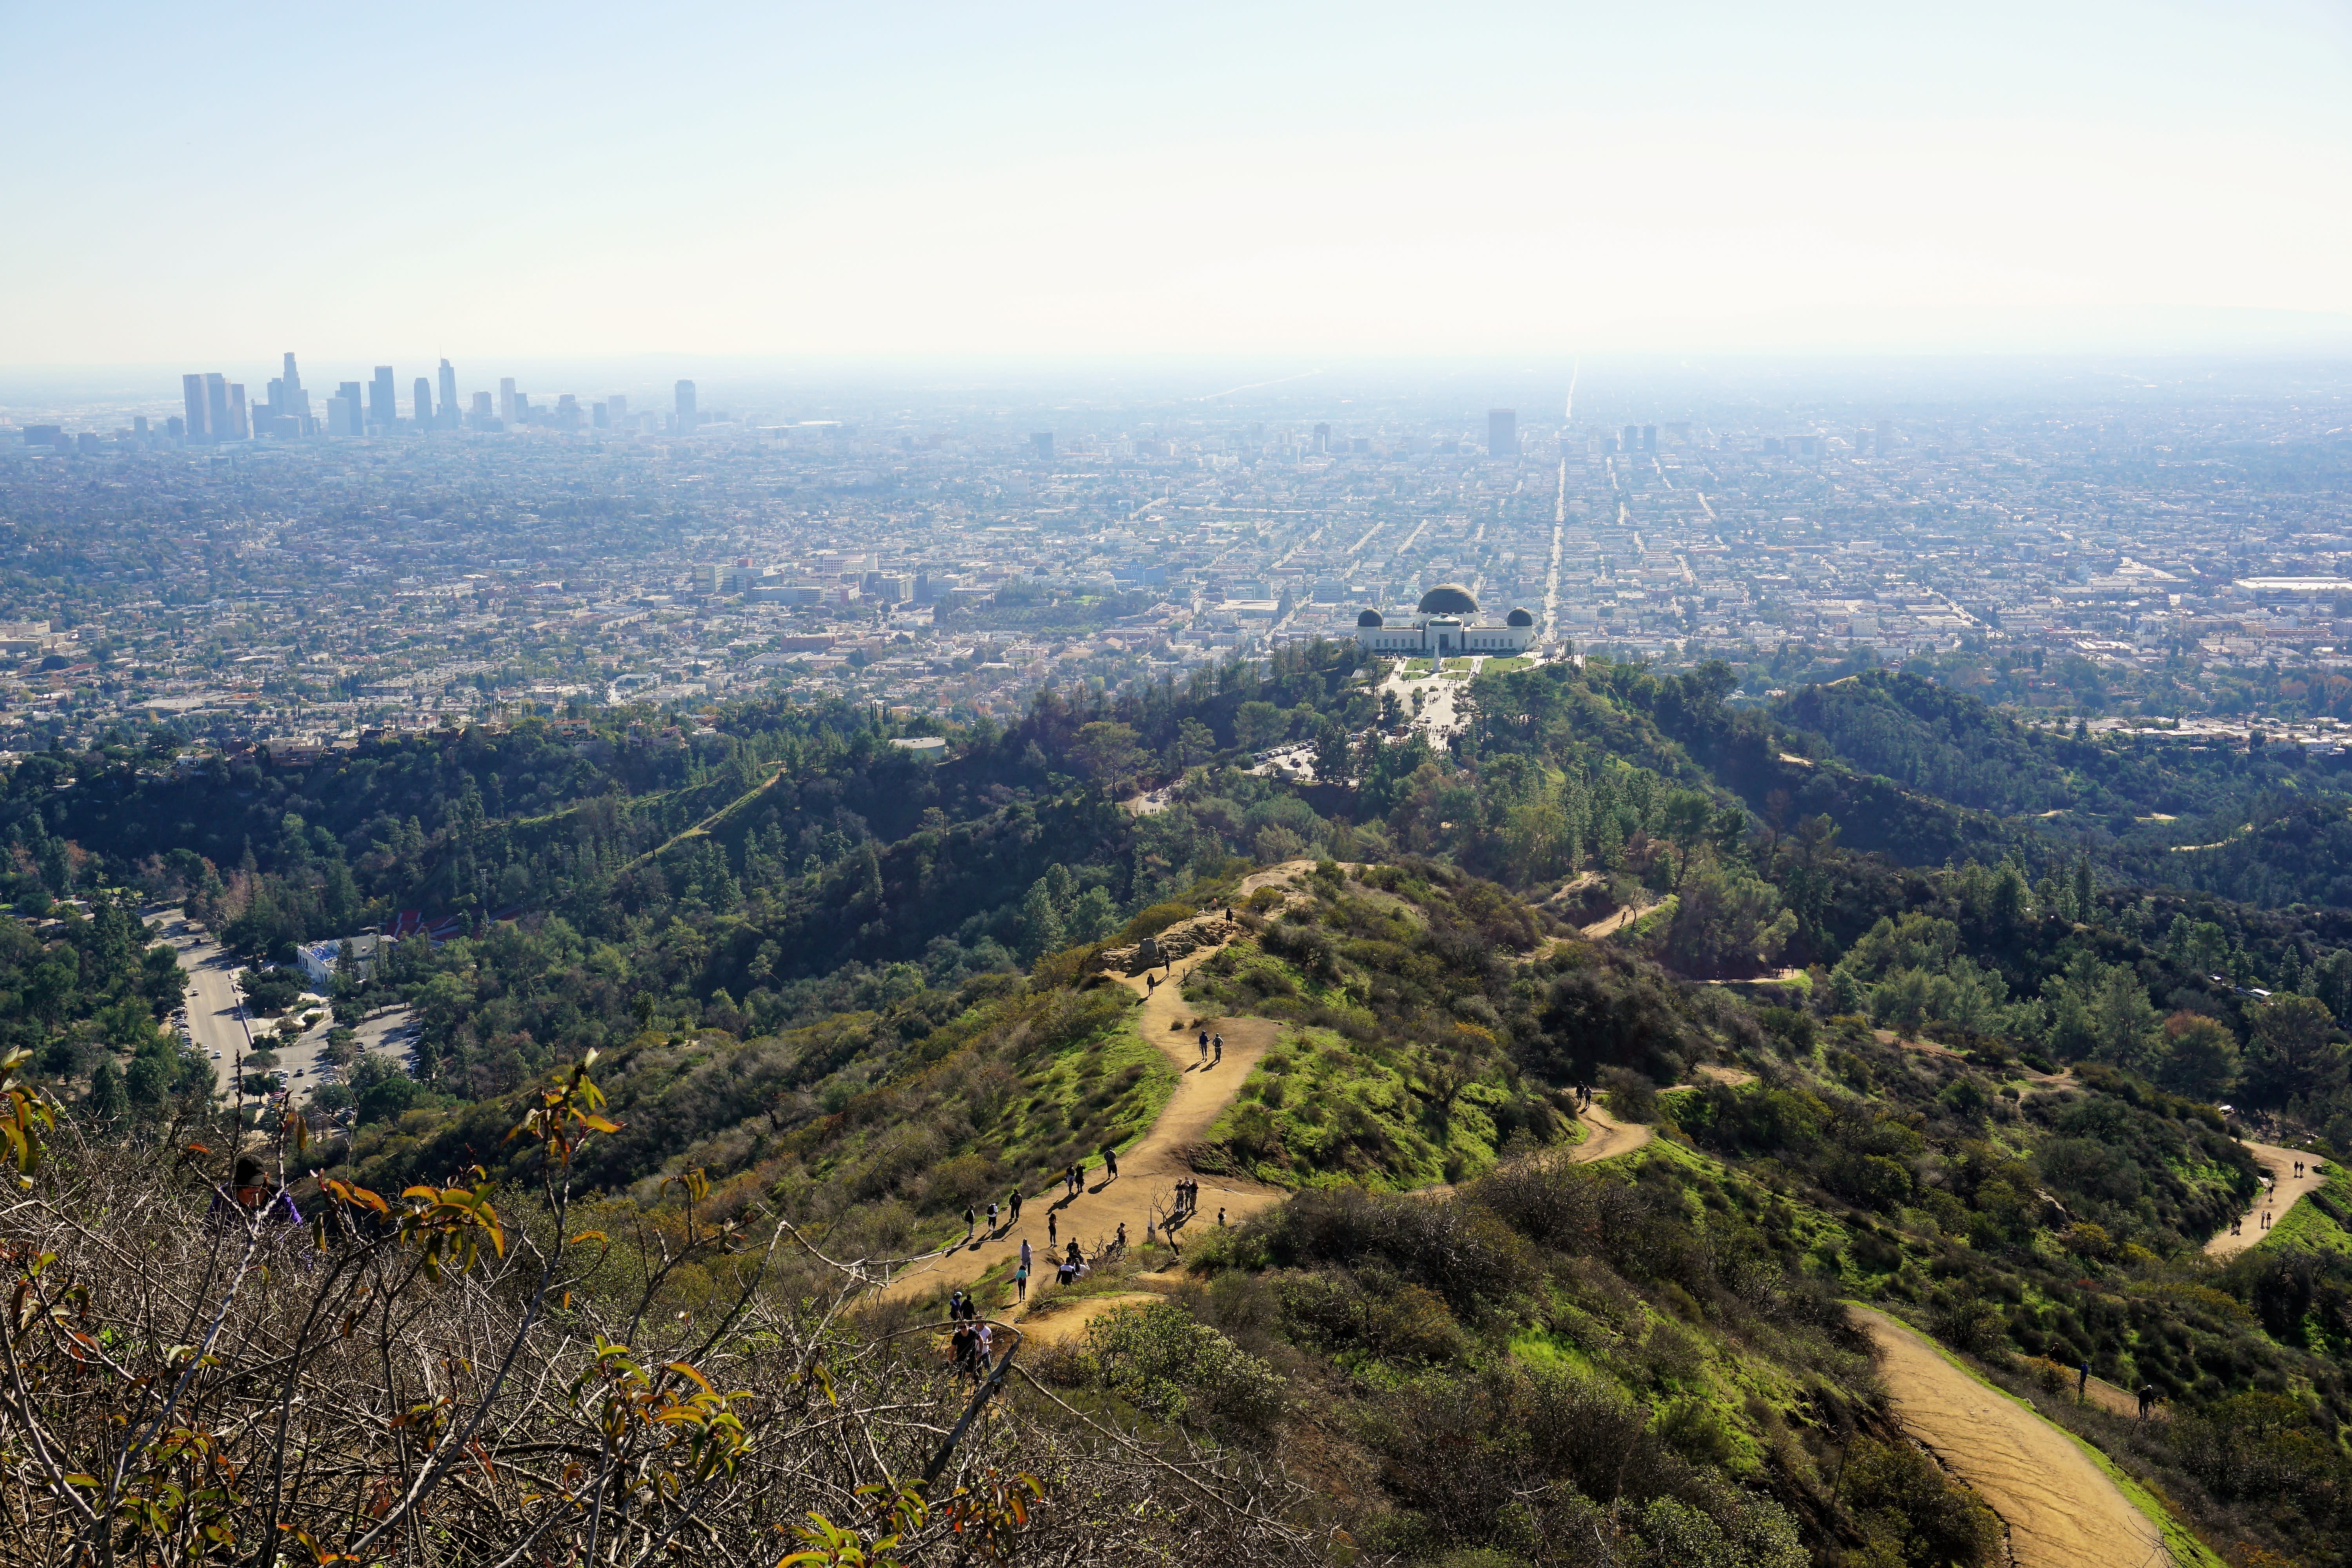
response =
{"points": [[1446, 623]]}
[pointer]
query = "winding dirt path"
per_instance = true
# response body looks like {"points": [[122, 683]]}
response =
{"points": [[2060, 1509], [1608, 925], [2287, 1190], [1144, 1190]]}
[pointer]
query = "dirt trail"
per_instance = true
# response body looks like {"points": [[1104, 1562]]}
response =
{"points": [[1730, 1078], [2287, 1190], [1068, 1322], [2060, 1508], [1148, 1172], [1607, 1137], [1608, 925]]}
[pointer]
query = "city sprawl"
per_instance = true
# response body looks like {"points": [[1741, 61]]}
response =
{"points": [[2154, 547]]}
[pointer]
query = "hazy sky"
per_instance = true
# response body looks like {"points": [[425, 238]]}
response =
{"points": [[209, 186]]}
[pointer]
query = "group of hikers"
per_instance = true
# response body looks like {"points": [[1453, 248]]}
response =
{"points": [[1207, 1041]]}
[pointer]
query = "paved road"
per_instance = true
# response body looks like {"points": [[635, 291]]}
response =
{"points": [[221, 1030]]}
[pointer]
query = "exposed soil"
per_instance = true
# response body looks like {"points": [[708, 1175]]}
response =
{"points": [[2060, 1508], [2287, 1190], [1609, 925]]}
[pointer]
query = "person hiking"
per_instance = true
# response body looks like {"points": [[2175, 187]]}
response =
{"points": [[955, 1306], [960, 1347], [970, 1221], [1110, 1162], [1221, 1219], [1073, 1253], [1015, 1205], [991, 1216], [1053, 1224], [1121, 1242], [2081, 1379], [1020, 1282], [1219, 1043], [2147, 1398], [1024, 1252], [1151, 984], [1205, 1044]]}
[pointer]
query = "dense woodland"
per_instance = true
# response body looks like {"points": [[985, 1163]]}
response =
{"points": [[1968, 996]]}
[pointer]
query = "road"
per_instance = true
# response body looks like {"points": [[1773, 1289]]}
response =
{"points": [[221, 1031]]}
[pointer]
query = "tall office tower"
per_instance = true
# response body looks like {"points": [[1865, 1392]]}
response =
{"points": [[1041, 444], [292, 399], [338, 414], [384, 399], [1628, 439], [686, 415], [567, 413], [1502, 432], [601, 416], [1649, 438], [218, 424], [1886, 442], [277, 403], [192, 393], [355, 417], [448, 396], [421, 395], [1322, 438], [240, 426], [507, 401], [522, 410], [619, 403], [482, 411], [1861, 441], [139, 426]]}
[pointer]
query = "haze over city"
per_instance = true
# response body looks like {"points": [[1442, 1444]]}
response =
{"points": [[1528, 786]]}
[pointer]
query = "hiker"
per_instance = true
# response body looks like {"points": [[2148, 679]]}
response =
{"points": [[991, 1216], [2081, 1379], [970, 1221], [962, 1346], [1067, 1274], [2147, 1398], [955, 1307], [1020, 1281], [1015, 1205], [1110, 1163], [1053, 1224], [1151, 984], [1219, 1042], [1121, 1242], [1025, 1254], [2234, 1224], [987, 1351], [1221, 1219], [1073, 1254], [1204, 1047]]}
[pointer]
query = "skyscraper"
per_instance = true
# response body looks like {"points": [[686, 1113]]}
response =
{"points": [[1886, 442], [448, 396], [354, 413], [482, 415], [384, 401], [1650, 438], [507, 401], [1502, 432], [424, 401], [1042, 444], [686, 415], [1322, 438], [191, 395], [292, 400], [1628, 439], [619, 403], [240, 426], [218, 425]]}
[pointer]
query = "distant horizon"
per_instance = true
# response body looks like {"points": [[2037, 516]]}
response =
{"points": [[1829, 176]]}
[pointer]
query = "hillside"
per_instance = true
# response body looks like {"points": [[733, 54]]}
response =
{"points": [[1857, 1030]]}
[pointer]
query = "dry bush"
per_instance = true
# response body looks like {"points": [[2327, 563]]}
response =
{"points": [[461, 1376]]}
